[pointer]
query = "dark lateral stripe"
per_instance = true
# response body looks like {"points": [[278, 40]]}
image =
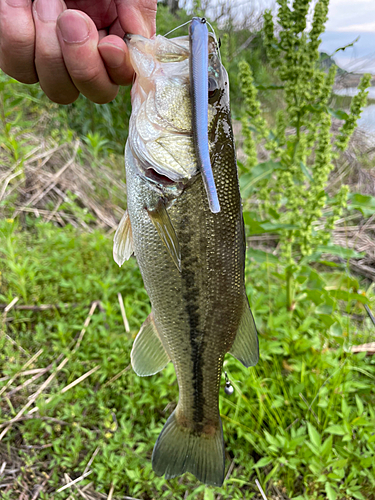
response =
{"points": [[191, 298]]}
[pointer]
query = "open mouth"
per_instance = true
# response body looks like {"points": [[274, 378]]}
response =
{"points": [[163, 180]]}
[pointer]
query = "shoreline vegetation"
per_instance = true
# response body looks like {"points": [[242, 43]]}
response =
{"points": [[75, 421], [347, 80]]}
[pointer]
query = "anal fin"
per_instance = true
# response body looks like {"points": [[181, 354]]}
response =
{"points": [[245, 346], [148, 355], [123, 241], [163, 224]]}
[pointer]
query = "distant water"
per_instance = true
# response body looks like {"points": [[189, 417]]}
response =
{"points": [[367, 120], [359, 58]]}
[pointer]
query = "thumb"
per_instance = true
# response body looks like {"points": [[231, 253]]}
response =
{"points": [[137, 16]]}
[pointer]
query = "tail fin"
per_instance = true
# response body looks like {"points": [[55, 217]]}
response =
{"points": [[180, 449]]}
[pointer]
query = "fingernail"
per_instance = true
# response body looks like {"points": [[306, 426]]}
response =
{"points": [[18, 3], [73, 27], [114, 56], [48, 10]]}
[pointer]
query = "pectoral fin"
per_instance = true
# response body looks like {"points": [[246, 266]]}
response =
{"points": [[160, 218], [245, 347], [148, 355], [123, 241]]}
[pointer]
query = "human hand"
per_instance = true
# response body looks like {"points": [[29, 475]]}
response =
{"points": [[73, 46]]}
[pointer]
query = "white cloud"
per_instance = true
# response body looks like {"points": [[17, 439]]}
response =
{"points": [[351, 15], [360, 28]]}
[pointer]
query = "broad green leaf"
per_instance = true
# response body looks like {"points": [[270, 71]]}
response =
{"points": [[241, 166], [325, 309], [314, 435], [359, 404], [367, 462], [337, 430], [313, 448], [345, 253], [344, 295], [338, 113], [263, 462], [315, 296], [253, 225], [336, 330], [357, 494], [271, 439], [305, 170], [363, 202], [339, 464], [261, 256], [326, 447], [314, 108], [208, 494], [331, 493], [269, 226], [259, 172], [193, 495]]}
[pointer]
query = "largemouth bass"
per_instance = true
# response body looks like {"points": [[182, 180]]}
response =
{"points": [[191, 259]]}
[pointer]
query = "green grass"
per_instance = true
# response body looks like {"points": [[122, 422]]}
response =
{"points": [[301, 421]]}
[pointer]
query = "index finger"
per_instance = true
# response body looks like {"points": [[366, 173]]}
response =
{"points": [[17, 40], [137, 16]]}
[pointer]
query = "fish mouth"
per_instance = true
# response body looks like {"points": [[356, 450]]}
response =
{"points": [[161, 125], [160, 134], [161, 49], [159, 179]]}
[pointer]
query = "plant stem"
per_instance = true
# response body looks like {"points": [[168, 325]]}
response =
{"points": [[289, 290]]}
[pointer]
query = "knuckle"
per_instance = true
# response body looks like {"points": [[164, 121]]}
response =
{"points": [[89, 76], [17, 43], [17, 56], [94, 84], [48, 55]]}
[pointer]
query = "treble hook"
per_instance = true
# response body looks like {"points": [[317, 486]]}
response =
{"points": [[228, 386]]}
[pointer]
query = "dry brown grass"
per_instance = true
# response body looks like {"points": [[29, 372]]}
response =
{"points": [[51, 175]]}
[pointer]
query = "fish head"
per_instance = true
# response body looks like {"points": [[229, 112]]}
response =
{"points": [[160, 132]]}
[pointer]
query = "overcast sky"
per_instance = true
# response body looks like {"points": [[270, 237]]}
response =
{"points": [[349, 19]]}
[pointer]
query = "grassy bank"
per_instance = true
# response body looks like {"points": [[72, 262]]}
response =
{"points": [[301, 421]]}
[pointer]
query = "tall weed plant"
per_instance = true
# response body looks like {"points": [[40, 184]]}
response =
{"points": [[305, 416], [291, 187]]}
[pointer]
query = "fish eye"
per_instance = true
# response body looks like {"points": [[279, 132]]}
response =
{"points": [[213, 90]]}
